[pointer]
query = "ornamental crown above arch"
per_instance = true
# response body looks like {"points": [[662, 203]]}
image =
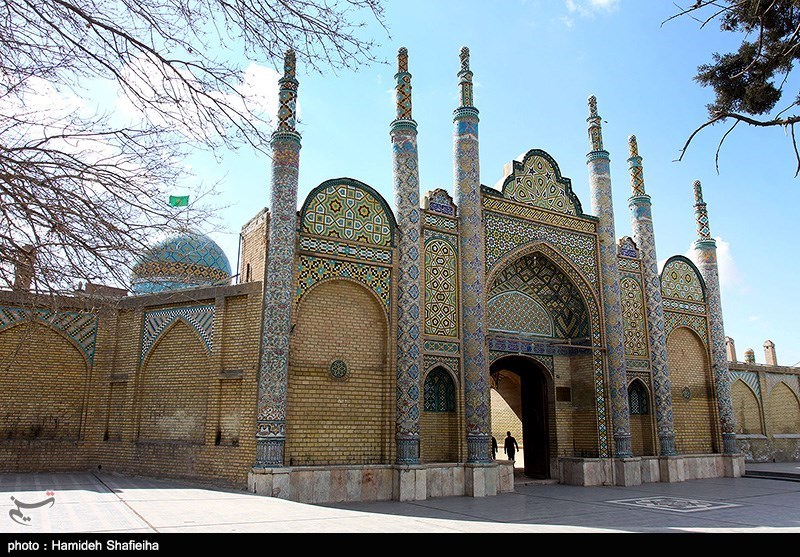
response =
{"points": [[535, 179], [347, 209], [681, 279]]}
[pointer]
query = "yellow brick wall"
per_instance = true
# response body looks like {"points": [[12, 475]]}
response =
{"points": [[348, 421], [746, 409], [642, 435], [439, 433], [688, 367], [584, 413], [173, 391], [783, 411], [253, 257], [43, 380], [561, 427], [504, 418], [164, 419]]}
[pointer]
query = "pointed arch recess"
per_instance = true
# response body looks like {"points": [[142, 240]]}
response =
{"points": [[596, 333]]}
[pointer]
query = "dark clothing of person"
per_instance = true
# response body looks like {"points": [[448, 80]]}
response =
{"points": [[494, 447], [510, 447]]}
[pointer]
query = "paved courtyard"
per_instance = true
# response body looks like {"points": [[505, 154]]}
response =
{"points": [[108, 503]]}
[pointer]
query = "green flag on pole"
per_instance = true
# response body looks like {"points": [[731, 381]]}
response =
{"points": [[178, 200]]}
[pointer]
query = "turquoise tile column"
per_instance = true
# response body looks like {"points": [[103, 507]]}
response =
{"points": [[472, 268], [602, 205], [644, 236], [706, 250], [279, 288], [403, 133]]}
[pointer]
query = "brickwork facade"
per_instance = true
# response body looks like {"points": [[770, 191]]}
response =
{"points": [[348, 419], [362, 336], [692, 392]]}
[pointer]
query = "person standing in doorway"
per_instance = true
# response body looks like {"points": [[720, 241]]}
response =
{"points": [[494, 448], [510, 446]]}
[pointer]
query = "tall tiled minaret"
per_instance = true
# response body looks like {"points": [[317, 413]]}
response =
{"points": [[706, 250], [472, 271], [279, 283], [403, 133], [644, 236], [602, 205]]}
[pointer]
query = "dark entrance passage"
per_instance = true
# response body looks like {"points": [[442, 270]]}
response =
{"points": [[522, 383]]}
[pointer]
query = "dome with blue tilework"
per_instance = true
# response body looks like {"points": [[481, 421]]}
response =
{"points": [[183, 260]]}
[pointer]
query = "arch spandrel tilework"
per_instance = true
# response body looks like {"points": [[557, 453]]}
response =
{"points": [[518, 312], [79, 326], [312, 270], [681, 280], [590, 299], [536, 180], [348, 210], [156, 322], [634, 330], [506, 234], [696, 323], [441, 288]]}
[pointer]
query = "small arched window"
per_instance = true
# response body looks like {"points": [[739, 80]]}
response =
{"points": [[637, 399], [440, 392]]}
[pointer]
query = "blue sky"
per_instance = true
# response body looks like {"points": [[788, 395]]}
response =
{"points": [[535, 62]]}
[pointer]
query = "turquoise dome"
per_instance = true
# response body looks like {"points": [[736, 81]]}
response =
{"points": [[183, 260]]}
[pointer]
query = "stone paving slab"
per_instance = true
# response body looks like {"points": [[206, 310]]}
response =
{"points": [[94, 502]]}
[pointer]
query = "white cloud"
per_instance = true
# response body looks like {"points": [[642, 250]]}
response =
{"points": [[754, 318], [588, 8]]}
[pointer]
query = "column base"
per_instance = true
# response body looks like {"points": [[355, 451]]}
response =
{"points": [[480, 479]]}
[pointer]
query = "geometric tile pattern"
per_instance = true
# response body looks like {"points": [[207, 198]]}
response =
{"points": [[603, 208], [441, 299], [539, 278], [273, 373], [681, 305], [342, 209], [633, 317], [680, 280], [674, 504], [472, 271], [199, 318], [517, 312], [644, 236], [447, 362], [439, 346], [405, 170], [697, 323], [343, 249], [638, 398], [706, 252], [312, 270], [78, 326], [505, 233], [629, 265], [440, 222], [536, 180], [493, 200]]}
